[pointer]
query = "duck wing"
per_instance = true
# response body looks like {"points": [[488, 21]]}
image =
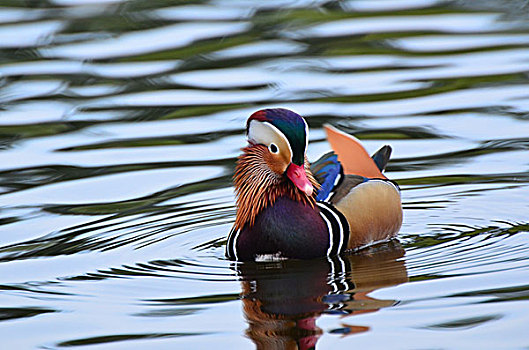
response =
{"points": [[347, 166], [353, 156], [328, 172]]}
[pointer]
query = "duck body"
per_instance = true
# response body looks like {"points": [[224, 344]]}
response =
{"points": [[288, 208]]}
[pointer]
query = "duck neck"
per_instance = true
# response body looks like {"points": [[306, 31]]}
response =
{"points": [[257, 186]]}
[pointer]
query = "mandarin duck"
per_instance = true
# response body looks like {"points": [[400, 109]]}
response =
{"points": [[290, 208]]}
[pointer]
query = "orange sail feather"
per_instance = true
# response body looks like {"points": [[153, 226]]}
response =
{"points": [[353, 156]]}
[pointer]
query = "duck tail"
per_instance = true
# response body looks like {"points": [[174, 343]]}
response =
{"points": [[381, 157]]}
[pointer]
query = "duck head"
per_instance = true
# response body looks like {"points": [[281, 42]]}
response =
{"points": [[285, 135], [273, 164]]}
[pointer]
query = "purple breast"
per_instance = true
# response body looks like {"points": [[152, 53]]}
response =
{"points": [[288, 228]]}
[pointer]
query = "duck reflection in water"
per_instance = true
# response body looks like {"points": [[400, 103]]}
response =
{"points": [[282, 300]]}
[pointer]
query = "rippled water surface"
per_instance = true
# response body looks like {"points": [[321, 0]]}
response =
{"points": [[120, 123]]}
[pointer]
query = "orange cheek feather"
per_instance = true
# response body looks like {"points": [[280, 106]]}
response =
{"points": [[276, 163]]}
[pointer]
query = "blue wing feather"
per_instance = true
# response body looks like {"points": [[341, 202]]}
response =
{"points": [[326, 170]]}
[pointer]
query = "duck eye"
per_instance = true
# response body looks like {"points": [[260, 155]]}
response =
{"points": [[273, 148]]}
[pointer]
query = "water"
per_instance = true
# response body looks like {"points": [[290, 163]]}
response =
{"points": [[120, 123]]}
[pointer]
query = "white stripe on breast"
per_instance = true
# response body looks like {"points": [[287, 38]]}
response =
{"points": [[331, 234], [339, 225], [234, 245]]}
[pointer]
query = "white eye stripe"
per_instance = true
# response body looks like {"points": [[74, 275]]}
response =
{"points": [[258, 134], [279, 132], [265, 133]]}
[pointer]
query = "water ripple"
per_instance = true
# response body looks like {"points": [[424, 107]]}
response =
{"points": [[120, 125]]}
